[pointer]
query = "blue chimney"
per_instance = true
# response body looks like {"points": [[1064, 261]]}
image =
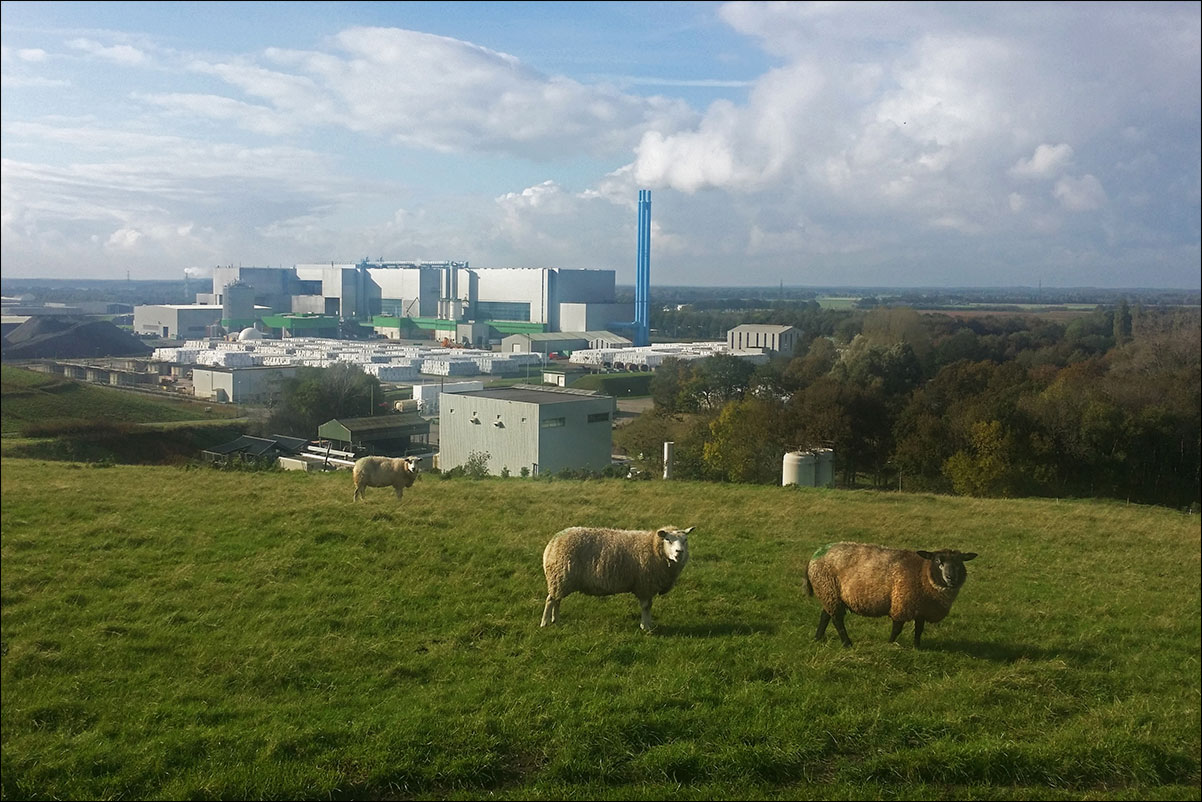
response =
{"points": [[642, 279]]}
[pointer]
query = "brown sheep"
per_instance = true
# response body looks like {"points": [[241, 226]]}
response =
{"points": [[874, 581], [394, 472]]}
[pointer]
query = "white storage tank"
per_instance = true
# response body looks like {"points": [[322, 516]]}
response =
{"points": [[798, 469], [824, 473]]}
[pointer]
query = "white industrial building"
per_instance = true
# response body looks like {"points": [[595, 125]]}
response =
{"points": [[239, 385], [541, 429], [562, 342]]}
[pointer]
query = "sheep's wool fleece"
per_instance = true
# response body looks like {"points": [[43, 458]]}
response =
{"points": [[602, 562], [875, 581], [383, 472]]}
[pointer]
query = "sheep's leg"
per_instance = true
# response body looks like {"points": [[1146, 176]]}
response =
{"points": [[823, 619], [897, 628], [358, 491], [842, 630], [918, 625], [399, 490], [550, 611], [646, 624]]}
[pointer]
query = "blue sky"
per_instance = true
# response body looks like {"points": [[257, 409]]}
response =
{"points": [[814, 144]]}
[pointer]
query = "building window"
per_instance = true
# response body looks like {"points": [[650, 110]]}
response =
{"points": [[551, 423], [598, 417], [502, 310]]}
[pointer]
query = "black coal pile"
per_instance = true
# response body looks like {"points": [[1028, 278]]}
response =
{"points": [[50, 337]]}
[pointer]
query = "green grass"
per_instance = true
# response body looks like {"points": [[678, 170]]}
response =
{"points": [[196, 634], [32, 398]]}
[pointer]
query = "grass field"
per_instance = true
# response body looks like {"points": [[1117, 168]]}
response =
{"points": [[30, 397], [195, 634]]}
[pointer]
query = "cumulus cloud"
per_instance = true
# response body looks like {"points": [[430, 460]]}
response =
{"points": [[1045, 163], [1080, 194], [124, 238]]}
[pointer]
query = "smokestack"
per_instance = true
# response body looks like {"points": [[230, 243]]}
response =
{"points": [[642, 281]]}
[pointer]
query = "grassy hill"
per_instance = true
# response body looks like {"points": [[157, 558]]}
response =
{"points": [[172, 633], [39, 399]]}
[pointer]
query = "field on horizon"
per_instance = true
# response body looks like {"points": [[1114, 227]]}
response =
{"points": [[173, 633]]}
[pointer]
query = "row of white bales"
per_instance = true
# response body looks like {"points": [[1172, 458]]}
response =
{"points": [[390, 361]]}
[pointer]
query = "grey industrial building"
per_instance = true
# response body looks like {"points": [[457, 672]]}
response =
{"points": [[176, 321], [749, 336], [542, 429]]}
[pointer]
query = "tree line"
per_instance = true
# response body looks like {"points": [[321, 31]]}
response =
{"points": [[1105, 405]]}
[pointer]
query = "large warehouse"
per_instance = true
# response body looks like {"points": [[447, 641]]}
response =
{"points": [[544, 430]]}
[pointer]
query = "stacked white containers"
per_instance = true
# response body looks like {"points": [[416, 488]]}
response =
{"points": [[426, 395]]}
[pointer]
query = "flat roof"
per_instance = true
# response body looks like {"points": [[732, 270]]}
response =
{"points": [[531, 394]]}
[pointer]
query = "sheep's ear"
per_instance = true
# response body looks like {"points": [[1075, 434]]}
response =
{"points": [[689, 530], [968, 555], [926, 555]]}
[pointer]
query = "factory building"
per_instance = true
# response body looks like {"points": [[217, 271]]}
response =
{"points": [[752, 336], [428, 299], [561, 342], [543, 430], [176, 321], [239, 385]]}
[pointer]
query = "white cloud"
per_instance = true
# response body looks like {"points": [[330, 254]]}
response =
{"points": [[32, 54], [121, 54], [1080, 194], [1047, 161], [442, 94], [124, 238]]}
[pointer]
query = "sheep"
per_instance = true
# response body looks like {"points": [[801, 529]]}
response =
{"points": [[604, 562], [395, 472], [873, 581]]}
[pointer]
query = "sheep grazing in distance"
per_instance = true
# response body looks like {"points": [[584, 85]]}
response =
{"points": [[394, 472], [604, 562], [873, 581]]}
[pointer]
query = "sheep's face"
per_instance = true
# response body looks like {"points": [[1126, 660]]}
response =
{"points": [[947, 566], [675, 543]]}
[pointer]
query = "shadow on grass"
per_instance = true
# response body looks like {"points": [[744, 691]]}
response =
{"points": [[713, 630], [1007, 652]]}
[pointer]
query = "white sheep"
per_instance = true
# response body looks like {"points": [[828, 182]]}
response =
{"points": [[395, 472], [873, 581], [603, 562]]}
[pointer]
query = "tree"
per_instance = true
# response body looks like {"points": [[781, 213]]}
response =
{"points": [[316, 395], [747, 441]]}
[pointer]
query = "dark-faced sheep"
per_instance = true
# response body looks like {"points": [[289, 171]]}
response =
{"points": [[394, 472], [603, 562], [875, 581]]}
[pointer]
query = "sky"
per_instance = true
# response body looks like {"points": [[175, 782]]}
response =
{"points": [[807, 144]]}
